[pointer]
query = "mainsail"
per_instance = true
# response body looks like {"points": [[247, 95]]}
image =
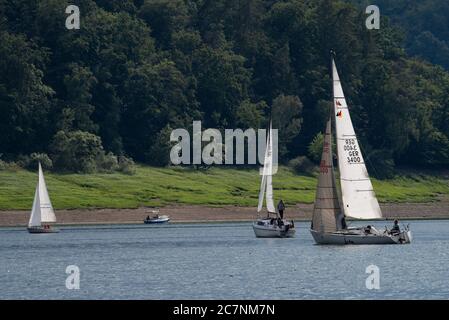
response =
{"points": [[326, 211], [266, 184], [358, 198], [42, 211]]}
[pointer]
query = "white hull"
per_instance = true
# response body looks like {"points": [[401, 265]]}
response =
{"points": [[267, 230], [156, 220], [356, 236]]}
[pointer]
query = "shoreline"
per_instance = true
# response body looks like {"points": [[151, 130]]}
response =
{"points": [[204, 214]]}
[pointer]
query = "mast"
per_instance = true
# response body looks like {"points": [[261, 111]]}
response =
{"points": [[357, 195]]}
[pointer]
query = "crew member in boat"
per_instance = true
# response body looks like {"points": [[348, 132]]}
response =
{"points": [[395, 228], [281, 208], [280, 223]]}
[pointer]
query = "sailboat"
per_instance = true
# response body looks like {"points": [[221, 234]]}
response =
{"points": [[42, 214], [357, 199], [272, 226]]}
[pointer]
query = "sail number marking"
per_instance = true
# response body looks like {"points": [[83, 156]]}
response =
{"points": [[323, 167], [350, 147]]}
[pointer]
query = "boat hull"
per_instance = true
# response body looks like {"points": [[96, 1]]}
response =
{"points": [[350, 237], [156, 221], [273, 231], [42, 230]]}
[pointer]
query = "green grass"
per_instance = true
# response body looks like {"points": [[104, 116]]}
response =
{"points": [[214, 187]]}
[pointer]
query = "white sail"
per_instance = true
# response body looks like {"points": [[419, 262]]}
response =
{"points": [[263, 185], [358, 197], [269, 195], [42, 211], [266, 185], [35, 218]]}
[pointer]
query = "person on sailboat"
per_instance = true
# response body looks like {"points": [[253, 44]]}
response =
{"points": [[341, 219], [281, 208], [395, 228], [367, 229]]}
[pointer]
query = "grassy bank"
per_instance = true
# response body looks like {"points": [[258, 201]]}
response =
{"points": [[213, 187]]}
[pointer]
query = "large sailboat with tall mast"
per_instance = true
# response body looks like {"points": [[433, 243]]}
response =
{"points": [[357, 199], [42, 213], [271, 226]]}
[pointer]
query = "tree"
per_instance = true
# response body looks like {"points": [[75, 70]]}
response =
{"points": [[24, 97], [315, 148], [155, 97], [251, 115], [76, 151], [286, 114], [165, 17], [159, 153], [222, 84], [139, 67]]}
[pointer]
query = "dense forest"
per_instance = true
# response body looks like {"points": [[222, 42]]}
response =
{"points": [[424, 23], [114, 89]]}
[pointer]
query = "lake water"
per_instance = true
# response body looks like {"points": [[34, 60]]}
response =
{"points": [[218, 261]]}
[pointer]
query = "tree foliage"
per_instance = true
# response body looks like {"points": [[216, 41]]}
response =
{"points": [[137, 68]]}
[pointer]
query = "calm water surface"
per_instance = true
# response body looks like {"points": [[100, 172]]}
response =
{"points": [[218, 261]]}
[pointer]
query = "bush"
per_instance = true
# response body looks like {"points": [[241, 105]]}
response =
{"points": [[315, 148], [302, 164], [77, 151], [126, 165], [31, 162], [10, 166], [3, 165], [107, 162]]}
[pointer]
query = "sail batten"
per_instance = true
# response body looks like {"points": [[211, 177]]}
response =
{"points": [[358, 198]]}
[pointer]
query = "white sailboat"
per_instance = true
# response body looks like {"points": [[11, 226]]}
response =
{"points": [[42, 213], [358, 199], [272, 226]]}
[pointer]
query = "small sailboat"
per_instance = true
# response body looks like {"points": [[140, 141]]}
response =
{"points": [[358, 199], [42, 214], [272, 226]]}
